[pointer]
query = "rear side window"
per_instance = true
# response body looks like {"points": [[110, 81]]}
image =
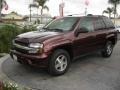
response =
{"points": [[99, 24], [108, 22], [87, 23]]}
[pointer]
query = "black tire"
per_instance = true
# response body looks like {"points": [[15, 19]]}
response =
{"points": [[54, 61], [107, 50], [19, 62]]}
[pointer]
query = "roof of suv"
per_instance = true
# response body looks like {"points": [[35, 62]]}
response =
{"points": [[89, 15]]}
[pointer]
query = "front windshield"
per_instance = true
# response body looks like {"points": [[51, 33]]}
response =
{"points": [[62, 24]]}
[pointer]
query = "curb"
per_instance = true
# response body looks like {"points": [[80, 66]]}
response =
{"points": [[2, 75], [5, 78]]}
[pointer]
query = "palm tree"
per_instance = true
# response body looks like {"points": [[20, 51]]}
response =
{"points": [[109, 11], [115, 3], [34, 6], [43, 6]]}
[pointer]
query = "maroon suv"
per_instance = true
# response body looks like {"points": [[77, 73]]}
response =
{"points": [[63, 40]]}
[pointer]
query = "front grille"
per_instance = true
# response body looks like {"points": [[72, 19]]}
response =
{"points": [[21, 43], [20, 50]]}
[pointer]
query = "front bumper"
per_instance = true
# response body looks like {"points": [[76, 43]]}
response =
{"points": [[33, 60]]}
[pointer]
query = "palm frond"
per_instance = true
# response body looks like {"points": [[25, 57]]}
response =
{"points": [[114, 1], [41, 2], [105, 11], [46, 7], [33, 5], [110, 10]]}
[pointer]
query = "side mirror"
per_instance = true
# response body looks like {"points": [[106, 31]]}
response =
{"points": [[81, 30]]}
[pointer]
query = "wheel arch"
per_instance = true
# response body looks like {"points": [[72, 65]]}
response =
{"points": [[112, 39], [67, 48]]}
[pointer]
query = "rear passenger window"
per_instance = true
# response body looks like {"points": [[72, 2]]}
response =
{"points": [[87, 23], [108, 22], [99, 24]]}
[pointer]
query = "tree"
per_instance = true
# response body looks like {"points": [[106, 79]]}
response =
{"points": [[109, 11], [34, 6], [43, 6], [115, 3]]}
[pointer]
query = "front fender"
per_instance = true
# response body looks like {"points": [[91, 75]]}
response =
{"points": [[57, 43]]}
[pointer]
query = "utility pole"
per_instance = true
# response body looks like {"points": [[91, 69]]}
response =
{"points": [[114, 16], [86, 6], [30, 12], [61, 8], [86, 11]]}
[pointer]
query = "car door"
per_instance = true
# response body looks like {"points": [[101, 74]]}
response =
{"points": [[100, 30], [85, 42]]}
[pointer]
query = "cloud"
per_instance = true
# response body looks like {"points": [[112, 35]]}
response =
{"points": [[94, 7], [20, 6], [71, 6]]}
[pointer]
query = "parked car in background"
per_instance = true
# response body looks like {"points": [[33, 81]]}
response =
{"points": [[40, 26], [63, 40]]}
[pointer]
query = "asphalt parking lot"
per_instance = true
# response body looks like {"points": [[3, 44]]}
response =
{"points": [[91, 72]]}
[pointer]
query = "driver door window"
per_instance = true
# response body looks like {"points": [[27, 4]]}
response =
{"points": [[87, 23], [85, 40]]}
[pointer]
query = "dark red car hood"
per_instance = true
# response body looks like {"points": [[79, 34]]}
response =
{"points": [[36, 36]]}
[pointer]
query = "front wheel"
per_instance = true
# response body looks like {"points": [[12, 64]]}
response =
{"points": [[108, 49], [59, 62]]}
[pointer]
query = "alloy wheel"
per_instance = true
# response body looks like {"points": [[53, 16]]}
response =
{"points": [[61, 63]]}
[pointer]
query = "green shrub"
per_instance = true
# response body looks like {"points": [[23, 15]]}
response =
{"points": [[10, 86], [8, 33], [28, 28]]}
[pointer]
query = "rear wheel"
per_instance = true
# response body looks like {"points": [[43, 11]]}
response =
{"points": [[108, 49], [59, 62]]}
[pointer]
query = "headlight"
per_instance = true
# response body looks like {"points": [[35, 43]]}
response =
{"points": [[37, 48], [36, 45]]}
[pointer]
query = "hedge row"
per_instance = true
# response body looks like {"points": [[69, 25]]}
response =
{"points": [[8, 33]]}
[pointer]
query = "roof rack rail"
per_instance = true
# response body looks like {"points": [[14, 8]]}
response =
{"points": [[90, 15], [76, 14]]}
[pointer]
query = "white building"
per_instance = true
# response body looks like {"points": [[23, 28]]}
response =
{"points": [[45, 18]]}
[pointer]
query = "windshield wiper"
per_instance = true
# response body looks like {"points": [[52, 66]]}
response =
{"points": [[53, 29], [45, 28], [57, 29]]}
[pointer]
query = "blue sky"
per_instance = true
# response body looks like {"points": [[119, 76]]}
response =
{"points": [[71, 6]]}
